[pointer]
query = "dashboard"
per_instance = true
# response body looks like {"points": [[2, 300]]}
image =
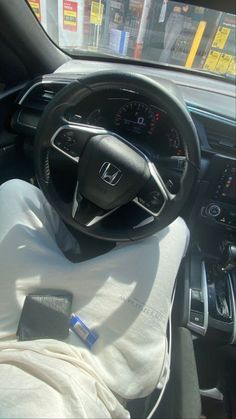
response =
{"points": [[211, 105]]}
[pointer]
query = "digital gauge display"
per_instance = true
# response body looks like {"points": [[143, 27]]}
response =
{"points": [[137, 118]]}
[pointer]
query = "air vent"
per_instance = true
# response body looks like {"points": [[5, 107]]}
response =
{"points": [[39, 95], [220, 141]]}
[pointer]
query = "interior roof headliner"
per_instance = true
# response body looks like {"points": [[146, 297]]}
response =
{"points": [[228, 6]]}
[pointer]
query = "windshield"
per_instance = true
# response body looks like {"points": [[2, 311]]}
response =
{"points": [[157, 31]]}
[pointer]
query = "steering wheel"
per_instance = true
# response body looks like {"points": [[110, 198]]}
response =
{"points": [[112, 172]]}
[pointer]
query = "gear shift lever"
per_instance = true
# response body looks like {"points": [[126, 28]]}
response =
{"points": [[220, 307], [229, 257]]}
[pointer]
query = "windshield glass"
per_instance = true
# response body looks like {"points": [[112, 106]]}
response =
{"points": [[157, 31]]}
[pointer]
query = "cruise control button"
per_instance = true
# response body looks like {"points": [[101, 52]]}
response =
{"points": [[150, 197]]}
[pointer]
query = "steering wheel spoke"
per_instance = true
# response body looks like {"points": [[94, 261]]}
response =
{"points": [[85, 212], [70, 139], [176, 163], [154, 196]]}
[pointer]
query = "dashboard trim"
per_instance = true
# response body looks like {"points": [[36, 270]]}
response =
{"points": [[24, 124], [190, 107], [202, 112], [192, 326], [233, 340]]}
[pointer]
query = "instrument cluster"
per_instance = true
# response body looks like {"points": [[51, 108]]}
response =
{"points": [[129, 115]]}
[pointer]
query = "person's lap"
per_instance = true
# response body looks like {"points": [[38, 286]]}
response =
{"points": [[125, 294]]}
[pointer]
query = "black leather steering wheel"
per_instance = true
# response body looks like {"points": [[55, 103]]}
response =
{"points": [[112, 173]]}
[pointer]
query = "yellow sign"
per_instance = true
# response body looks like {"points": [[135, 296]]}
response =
{"points": [[212, 60], [96, 13], [232, 68], [221, 37], [223, 63]]}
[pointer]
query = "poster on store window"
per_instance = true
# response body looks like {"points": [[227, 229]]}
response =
{"points": [[35, 6], [70, 23], [70, 15], [220, 58], [41, 11]]}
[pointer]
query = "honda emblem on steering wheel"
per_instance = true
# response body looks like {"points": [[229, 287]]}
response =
{"points": [[110, 173]]}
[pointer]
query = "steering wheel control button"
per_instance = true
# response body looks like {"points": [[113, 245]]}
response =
{"points": [[66, 142], [153, 201], [150, 198], [213, 210], [70, 140]]}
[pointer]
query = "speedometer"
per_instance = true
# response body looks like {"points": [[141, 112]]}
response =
{"points": [[136, 117]]}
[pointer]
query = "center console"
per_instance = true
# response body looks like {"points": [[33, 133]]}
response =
{"points": [[220, 204], [210, 270], [210, 280], [211, 293], [221, 299]]}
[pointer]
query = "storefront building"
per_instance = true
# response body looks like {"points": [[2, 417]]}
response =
{"points": [[152, 30]]}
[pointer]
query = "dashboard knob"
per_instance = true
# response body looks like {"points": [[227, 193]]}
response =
{"points": [[213, 210]]}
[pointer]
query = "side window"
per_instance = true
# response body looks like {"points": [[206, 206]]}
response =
{"points": [[12, 70]]}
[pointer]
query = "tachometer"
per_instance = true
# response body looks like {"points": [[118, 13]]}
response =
{"points": [[136, 117]]}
